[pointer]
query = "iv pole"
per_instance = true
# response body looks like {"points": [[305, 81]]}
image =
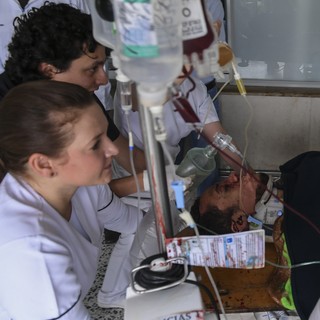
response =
{"points": [[157, 176]]}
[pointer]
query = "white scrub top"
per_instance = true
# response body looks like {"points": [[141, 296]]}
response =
{"points": [[48, 264]]}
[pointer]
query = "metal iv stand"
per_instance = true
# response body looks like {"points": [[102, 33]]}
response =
{"points": [[158, 181]]}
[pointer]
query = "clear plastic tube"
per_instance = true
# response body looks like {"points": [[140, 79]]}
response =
{"points": [[125, 95]]}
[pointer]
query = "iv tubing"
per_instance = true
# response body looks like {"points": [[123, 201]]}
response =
{"points": [[131, 146], [298, 265]]}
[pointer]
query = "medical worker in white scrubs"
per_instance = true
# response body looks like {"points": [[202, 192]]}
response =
{"points": [[55, 165]]}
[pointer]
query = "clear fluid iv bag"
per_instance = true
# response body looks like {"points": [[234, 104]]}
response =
{"points": [[198, 162], [149, 42]]}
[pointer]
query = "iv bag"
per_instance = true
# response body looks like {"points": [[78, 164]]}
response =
{"points": [[149, 42]]}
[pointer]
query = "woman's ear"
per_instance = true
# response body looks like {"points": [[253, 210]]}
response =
{"points": [[41, 164], [48, 70]]}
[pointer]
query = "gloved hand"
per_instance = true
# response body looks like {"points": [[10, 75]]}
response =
{"points": [[170, 178]]}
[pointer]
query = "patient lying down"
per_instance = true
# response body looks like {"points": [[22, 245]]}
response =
{"points": [[224, 207], [230, 206]]}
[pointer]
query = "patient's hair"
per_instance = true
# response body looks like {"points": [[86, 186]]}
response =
{"points": [[218, 221], [215, 220]]}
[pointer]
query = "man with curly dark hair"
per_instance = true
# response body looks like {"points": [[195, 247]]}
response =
{"points": [[56, 42], [14, 8]]}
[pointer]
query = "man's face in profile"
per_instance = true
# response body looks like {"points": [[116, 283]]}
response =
{"points": [[231, 192]]}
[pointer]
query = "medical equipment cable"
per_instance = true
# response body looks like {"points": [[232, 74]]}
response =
{"points": [[150, 279], [298, 265], [193, 86], [187, 75], [209, 294]]}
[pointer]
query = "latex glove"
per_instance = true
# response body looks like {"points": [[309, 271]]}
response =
{"points": [[187, 181]]}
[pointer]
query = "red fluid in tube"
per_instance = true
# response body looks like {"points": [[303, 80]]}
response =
{"points": [[183, 106]]}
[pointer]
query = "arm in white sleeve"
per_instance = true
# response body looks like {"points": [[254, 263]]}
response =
{"points": [[116, 215]]}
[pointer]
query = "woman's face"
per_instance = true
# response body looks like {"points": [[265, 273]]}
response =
{"points": [[87, 160]]}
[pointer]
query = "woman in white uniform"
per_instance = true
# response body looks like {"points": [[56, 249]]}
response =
{"points": [[55, 164]]}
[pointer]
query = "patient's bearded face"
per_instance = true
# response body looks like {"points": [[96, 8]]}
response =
{"points": [[226, 194]]}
